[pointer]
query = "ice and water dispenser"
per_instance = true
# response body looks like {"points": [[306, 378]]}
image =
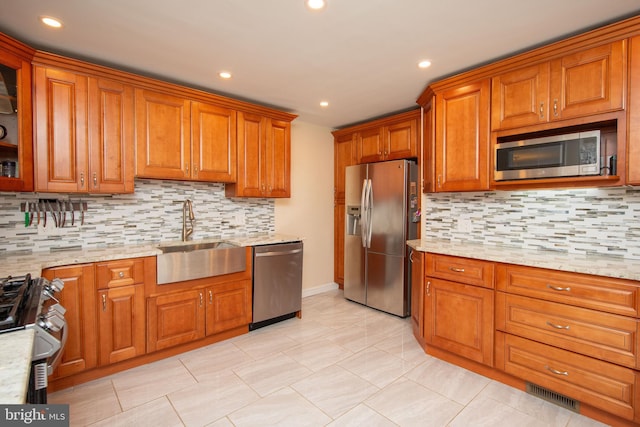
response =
{"points": [[353, 220]]}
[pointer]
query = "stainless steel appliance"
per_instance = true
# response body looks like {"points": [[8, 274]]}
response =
{"points": [[277, 283], [381, 215], [22, 306], [574, 154]]}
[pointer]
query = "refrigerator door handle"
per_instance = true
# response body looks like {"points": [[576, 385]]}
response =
{"points": [[363, 213], [369, 213]]}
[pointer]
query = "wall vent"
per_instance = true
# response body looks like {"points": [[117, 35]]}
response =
{"points": [[553, 397]]}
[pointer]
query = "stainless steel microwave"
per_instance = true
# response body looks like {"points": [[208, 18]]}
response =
{"points": [[575, 154]]}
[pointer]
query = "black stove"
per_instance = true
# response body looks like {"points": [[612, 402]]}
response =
{"points": [[22, 301]]}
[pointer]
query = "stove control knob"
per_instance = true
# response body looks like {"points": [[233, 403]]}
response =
{"points": [[58, 309], [56, 285], [50, 322]]}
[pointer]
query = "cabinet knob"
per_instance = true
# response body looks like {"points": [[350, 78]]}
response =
{"points": [[555, 108], [95, 180], [82, 179], [542, 111], [186, 167], [121, 274]]}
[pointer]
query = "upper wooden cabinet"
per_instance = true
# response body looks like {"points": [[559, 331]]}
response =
{"points": [[633, 138], [84, 133], [392, 138], [264, 157], [460, 149], [579, 84], [177, 138], [16, 146]]}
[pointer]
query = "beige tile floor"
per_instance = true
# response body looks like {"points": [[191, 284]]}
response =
{"points": [[342, 364]]}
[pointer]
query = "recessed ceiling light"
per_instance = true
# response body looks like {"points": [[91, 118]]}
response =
{"points": [[424, 64], [225, 75], [316, 4], [51, 21], [324, 103]]}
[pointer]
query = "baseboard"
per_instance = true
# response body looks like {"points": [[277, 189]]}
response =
{"points": [[319, 289]]}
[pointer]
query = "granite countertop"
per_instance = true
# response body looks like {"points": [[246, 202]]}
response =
{"points": [[600, 265], [15, 365], [18, 264]]}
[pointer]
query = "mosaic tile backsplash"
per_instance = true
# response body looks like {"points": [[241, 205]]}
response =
{"points": [[580, 221], [153, 213]]}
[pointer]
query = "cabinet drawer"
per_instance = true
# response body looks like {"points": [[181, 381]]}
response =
{"points": [[600, 384], [617, 296], [124, 272], [605, 336], [462, 270]]}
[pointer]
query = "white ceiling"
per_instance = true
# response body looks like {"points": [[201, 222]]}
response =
{"points": [[359, 55]]}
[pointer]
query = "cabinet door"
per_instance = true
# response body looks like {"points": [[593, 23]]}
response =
{"points": [[462, 138], [339, 223], [589, 82], [520, 98], [175, 319], [277, 159], [251, 131], [163, 132], [78, 298], [111, 137], [18, 146], [343, 157], [459, 319], [401, 140], [121, 323], [633, 142], [61, 155], [213, 143], [417, 295], [228, 306], [370, 145]]}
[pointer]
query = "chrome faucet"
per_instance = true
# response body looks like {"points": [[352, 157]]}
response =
{"points": [[187, 213]]}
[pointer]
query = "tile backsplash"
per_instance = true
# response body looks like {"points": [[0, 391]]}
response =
{"points": [[580, 221], [152, 214]]}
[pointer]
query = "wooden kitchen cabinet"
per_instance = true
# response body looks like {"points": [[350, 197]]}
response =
{"points": [[175, 318], [163, 135], [417, 295], [633, 137], [343, 148], [458, 317], [78, 298], [121, 310], [577, 84], [264, 158], [177, 138], [17, 146], [84, 133], [229, 306], [461, 146], [391, 139]]}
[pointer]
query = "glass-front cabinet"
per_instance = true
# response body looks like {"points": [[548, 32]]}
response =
{"points": [[16, 135]]}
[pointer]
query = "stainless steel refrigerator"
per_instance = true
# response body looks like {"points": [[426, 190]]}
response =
{"points": [[380, 216]]}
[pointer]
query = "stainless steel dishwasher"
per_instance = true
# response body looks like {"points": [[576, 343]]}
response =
{"points": [[277, 283]]}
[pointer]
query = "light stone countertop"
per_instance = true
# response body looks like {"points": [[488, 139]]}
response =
{"points": [[15, 365], [599, 265], [19, 264]]}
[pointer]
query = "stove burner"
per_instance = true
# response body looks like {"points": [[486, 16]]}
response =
{"points": [[15, 294]]}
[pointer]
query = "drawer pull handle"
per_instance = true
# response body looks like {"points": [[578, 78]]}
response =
{"points": [[121, 274], [553, 325], [554, 371], [201, 299], [210, 297], [104, 302], [429, 288], [456, 270], [559, 289]]}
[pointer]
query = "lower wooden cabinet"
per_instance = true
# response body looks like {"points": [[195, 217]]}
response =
{"points": [[121, 323], [459, 318], [417, 295], [78, 298], [600, 384], [174, 319], [185, 316]]}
